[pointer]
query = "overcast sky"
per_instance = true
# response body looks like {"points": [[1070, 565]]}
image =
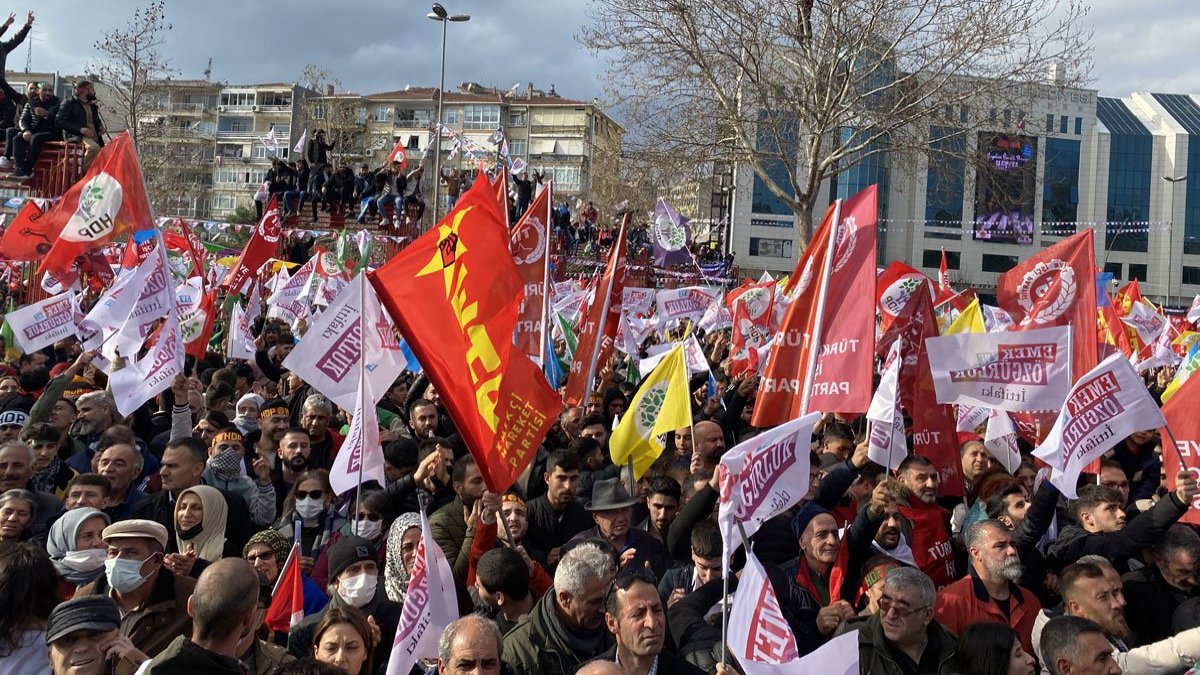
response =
{"points": [[374, 46]]}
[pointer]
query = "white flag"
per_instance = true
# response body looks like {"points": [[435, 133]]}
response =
{"points": [[299, 148], [1146, 321], [1193, 313], [762, 478], [693, 353], [1001, 440], [44, 322], [139, 382], [1162, 354], [717, 317], [241, 342], [361, 454], [995, 319], [637, 300], [429, 606], [1022, 371], [970, 417], [327, 356], [120, 321], [290, 300], [1104, 407], [685, 303], [887, 446]]}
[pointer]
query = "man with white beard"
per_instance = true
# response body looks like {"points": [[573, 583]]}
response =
{"points": [[989, 592]]}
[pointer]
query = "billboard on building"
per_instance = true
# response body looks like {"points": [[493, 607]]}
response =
{"points": [[1005, 188]]}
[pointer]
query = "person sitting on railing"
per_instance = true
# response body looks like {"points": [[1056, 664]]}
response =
{"points": [[297, 191], [79, 119], [320, 178], [10, 121], [37, 127]]}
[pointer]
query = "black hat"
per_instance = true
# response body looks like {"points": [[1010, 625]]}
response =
{"points": [[92, 612], [347, 551], [608, 495]]}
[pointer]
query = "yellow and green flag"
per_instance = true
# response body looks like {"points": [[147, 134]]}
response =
{"points": [[1190, 363], [660, 405]]}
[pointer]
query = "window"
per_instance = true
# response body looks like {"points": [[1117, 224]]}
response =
{"points": [[566, 178], [318, 112], [932, 259], [998, 263], [517, 147], [243, 99], [516, 119], [1062, 124], [962, 114], [771, 248], [992, 116], [1137, 271], [762, 222], [762, 200], [230, 150], [224, 202], [279, 99], [414, 119], [1114, 268], [1078, 126], [237, 125], [262, 152], [1129, 176], [1191, 275], [1060, 185], [1007, 117], [945, 176], [452, 115], [1049, 123], [383, 113], [481, 116], [360, 115], [414, 142]]}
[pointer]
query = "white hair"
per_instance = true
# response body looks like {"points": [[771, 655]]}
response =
{"points": [[102, 398], [446, 641], [24, 446], [319, 401], [580, 565]]}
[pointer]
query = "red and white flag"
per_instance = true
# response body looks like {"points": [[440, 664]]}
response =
{"points": [[943, 276], [530, 242], [887, 445], [1183, 422], [1193, 313], [258, 250], [1005, 371], [1146, 321], [763, 477], [291, 298], [40, 324], [1105, 406], [399, 154], [690, 302], [240, 344], [153, 374], [197, 325], [430, 605], [752, 307], [287, 600], [600, 328], [120, 321]]}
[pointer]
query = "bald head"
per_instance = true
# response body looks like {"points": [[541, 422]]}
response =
{"points": [[225, 597], [710, 442], [600, 667]]}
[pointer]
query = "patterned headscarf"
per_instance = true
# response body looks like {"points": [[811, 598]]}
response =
{"points": [[395, 577], [278, 543]]}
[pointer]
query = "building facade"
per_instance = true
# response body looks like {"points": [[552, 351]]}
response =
{"points": [[1018, 182]]}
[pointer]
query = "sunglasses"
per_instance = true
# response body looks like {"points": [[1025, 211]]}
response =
{"points": [[265, 556], [305, 494], [369, 516], [886, 604], [626, 577]]}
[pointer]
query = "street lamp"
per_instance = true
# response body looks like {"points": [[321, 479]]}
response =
{"points": [[1171, 234], [440, 14]]}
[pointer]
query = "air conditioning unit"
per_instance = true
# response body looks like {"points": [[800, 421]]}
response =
{"points": [[253, 108], [220, 108]]}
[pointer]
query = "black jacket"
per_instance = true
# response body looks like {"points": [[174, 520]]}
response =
{"points": [[183, 656], [649, 549], [699, 641], [550, 529], [1152, 605], [7, 46], [1026, 537], [72, 119], [875, 654], [1074, 542], [677, 577], [40, 125], [385, 612]]}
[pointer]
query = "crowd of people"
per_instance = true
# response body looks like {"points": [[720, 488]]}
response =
{"points": [[153, 543]]}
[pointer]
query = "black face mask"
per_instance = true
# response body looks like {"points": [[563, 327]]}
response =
{"points": [[191, 532]]}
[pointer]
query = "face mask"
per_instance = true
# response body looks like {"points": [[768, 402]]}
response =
{"points": [[226, 465], [309, 508], [368, 529], [85, 560], [359, 590], [124, 575], [191, 532]]}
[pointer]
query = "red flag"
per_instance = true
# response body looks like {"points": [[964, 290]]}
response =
{"points": [[943, 275], [530, 245], [30, 234], [185, 242], [893, 287], [500, 185], [197, 328], [135, 253], [258, 250], [287, 601], [399, 154], [600, 326], [751, 306], [1057, 287], [453, 294], [841, 379], [107, 202], [1184, 423]]}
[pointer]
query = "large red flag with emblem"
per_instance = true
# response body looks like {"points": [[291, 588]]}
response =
{"points": [[841, 381], [258, 250], [1057, 287], [530, 243], [29, 235], [1184, 423], [107, 202], [453, 294], [599, 329]]}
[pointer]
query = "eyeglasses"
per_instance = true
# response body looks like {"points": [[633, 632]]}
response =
{"points": [[886, 604], [305, 494], [265, 556]]}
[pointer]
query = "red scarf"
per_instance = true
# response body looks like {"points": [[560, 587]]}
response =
{"points": [[931, 541]]}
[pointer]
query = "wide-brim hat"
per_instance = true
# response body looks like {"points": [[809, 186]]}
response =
{"points": [[609, 494]]}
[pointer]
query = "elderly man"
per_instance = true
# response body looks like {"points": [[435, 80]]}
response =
{"points": [[83, 639], [990, 592], [121, 464], [611, 510], [316, 417], [1165, 584], [566, 627], [226, 471], [1075, 646], [469, 646], [902, 637], [16, 469], [931, 545], [223, 610], [635, 615], [153, 601]]}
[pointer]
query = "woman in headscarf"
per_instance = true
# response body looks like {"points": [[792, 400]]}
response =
{"points": [[76, 548], [200, 518], [248, 408], [268, 551], [402, 541]]}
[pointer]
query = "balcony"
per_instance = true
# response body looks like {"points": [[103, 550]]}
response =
{"points": [[185, 108], [558, 129]]}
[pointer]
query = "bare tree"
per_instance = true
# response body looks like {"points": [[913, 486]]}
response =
{"points": [[129, 60], [342, 115], [797, 90]]}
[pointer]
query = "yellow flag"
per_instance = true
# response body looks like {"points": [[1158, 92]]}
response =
{"points": [[660, 405], [1190, 363], [970, 320], [1186, 339]]}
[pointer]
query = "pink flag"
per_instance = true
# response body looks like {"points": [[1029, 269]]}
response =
{"points": [[430, 605]]}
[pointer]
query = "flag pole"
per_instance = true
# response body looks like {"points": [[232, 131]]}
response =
{"points": [[814, 341], [362, 383], [546, 268], [1175, 444]]}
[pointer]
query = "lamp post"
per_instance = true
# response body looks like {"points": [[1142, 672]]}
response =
{"points": [[440, 14], [1171, 234]]}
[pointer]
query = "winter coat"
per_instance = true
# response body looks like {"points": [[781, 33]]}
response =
{"points": [[1074, 542], [1172, 655], [533, 647], [967, 601], [161, 619], [184, 657], [875, 654], [40, 125], [72, 119]]}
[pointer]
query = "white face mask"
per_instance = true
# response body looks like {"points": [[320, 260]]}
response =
{"points": [[358, 590], [368, 529], [86, 560], [309, 507]]}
